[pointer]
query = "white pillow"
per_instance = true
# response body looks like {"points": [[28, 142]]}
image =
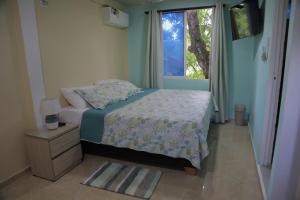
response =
{"points": [[73, 98]]}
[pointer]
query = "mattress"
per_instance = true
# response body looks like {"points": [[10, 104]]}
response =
{"points": [[72, 115]]}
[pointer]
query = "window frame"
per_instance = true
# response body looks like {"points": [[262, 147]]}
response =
{"points": [[184, 77]]}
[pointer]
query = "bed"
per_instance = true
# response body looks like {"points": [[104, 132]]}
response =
{"points": [[173, 123]]}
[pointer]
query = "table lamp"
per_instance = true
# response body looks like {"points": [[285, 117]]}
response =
{"points": [[50, 109]]}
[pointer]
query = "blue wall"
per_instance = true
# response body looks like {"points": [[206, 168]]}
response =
{"points": [[170, 83], [261, 75], [137, 37], [248, 74], [242, 71], [240, 54]]}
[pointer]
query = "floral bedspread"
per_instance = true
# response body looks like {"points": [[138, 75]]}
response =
{"points": [[174, 123]]}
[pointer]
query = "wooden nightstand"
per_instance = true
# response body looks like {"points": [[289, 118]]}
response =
{"points": [[53, 153]]}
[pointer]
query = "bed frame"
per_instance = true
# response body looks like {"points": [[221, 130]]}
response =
{"points": [[138, 156]]}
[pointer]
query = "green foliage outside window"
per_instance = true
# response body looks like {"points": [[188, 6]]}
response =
{"points": [[198, 52], [242, 22]]}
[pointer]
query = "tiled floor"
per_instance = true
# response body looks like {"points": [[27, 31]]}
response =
{"points": [[231, 175]]}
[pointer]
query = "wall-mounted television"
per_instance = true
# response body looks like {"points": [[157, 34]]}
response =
{"points": [[246, 19]]}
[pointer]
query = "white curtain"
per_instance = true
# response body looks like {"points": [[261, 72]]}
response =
{"points": [[218, 67], [154, 60]]}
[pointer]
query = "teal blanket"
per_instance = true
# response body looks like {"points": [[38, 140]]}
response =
{"points": [[92, 123]]}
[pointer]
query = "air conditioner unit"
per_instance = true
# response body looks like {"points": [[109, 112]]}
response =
{"points": [[115, 17]]}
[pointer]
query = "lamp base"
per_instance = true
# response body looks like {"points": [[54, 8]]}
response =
{"points": [[51, 122], [52, 126]]}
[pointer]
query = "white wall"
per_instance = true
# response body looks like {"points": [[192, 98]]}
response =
{"points": [[77, 48], [15, 103]]}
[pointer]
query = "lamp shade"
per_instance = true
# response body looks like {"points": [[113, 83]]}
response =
{"points": [[50, 107]]}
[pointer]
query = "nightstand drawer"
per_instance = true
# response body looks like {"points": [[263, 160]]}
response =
{"points": [[64, 142], [67, 160]]}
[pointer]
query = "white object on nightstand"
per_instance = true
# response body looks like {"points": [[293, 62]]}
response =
{"points": [[54, 153], [50, 109]]}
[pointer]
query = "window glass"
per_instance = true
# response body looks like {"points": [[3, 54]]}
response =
{"points": [[173, 39], [241, 21], [187, 43], [198, 43]]}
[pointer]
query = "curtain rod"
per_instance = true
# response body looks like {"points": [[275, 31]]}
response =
{"points": [[182, 9]]}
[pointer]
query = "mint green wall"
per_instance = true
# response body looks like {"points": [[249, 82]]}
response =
{"points": [[241, 68], [248, 74], [259, 98], [137, 44], [260, 79], [186, 84], [242, 71], [277, 160], [240, 55]]}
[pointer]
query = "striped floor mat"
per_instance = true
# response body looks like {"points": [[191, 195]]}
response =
{"points": [[125, 179]]}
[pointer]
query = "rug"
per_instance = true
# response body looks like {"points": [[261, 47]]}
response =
{"points": [[124, 179]]}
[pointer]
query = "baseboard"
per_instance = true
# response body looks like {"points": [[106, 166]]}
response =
{"points": [[262, 185], [13, 177], [251, 133], [261, 181]]}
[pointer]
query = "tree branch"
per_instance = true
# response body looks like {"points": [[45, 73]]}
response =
{"points": [[198, 46]]}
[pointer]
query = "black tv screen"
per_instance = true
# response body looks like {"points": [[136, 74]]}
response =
{"points": [[245, 19]]}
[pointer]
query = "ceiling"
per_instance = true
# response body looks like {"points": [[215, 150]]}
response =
{"points": [[141, 2]]}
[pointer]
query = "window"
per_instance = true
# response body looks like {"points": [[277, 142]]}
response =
{"points": [[240, 21], [187, 43], [173, 39]]}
